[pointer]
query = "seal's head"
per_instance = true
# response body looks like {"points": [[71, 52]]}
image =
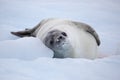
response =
{"points": [[58, 42]]}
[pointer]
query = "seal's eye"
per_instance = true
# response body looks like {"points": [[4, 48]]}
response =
{"points": [[51, 42], [63, 33]]}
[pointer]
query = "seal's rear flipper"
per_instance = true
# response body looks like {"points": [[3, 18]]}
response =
{"points": [[25, 33]]}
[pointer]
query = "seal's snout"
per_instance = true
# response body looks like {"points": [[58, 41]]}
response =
{"points": [[60, 39]]}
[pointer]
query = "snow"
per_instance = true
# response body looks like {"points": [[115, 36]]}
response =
{"points": [[60, 69], [24, 48], [29, 59]]}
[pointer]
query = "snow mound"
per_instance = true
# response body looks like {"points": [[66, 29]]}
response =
{"points": [[24, 48], [60, 69]]}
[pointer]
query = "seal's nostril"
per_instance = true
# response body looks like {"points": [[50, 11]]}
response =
{"points": [[60, 37]]}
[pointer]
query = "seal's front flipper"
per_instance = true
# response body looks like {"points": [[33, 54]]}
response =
{"points": [[25, 33]]}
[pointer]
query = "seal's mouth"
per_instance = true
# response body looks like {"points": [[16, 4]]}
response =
{"points": [[60, 45]]}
